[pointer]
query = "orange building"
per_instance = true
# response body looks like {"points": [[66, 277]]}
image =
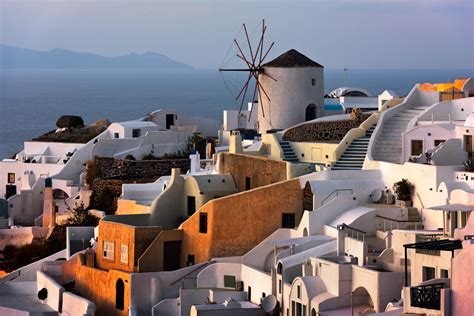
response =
{"points": [[226, 226]]}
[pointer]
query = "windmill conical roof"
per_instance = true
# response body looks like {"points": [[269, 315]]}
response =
{"points": [[292, 59]]}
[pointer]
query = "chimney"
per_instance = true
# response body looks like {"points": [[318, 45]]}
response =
{"points": [[49, 211]]}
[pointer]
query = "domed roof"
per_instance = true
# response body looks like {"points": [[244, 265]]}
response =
{"points": [[348, 91], [292, 59], [469, 120]]}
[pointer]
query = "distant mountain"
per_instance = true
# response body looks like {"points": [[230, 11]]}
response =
{"points": [[15, 58]]}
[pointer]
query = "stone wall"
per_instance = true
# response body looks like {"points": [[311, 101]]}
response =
{"points": [[115, 172], [325, 130], [139, 169]]}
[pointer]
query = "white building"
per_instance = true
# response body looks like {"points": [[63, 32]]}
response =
{"points": [[295, 88]]}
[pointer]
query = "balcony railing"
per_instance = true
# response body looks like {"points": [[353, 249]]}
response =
{"points": [[388, 224], [426, 296]]}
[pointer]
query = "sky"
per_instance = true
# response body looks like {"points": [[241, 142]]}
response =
{"points": [[377, 34]]}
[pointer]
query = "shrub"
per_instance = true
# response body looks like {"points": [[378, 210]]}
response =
{"points": [[403, 190], [92, 172], [469, 165], [104, 200]]}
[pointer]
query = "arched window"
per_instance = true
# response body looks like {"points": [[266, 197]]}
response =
{"points": [[119, 294], [310, 112], [279, 268], [313, 312]]}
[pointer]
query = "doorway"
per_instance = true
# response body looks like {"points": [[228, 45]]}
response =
{"points": [[310, 112], [171, 255], [10, 191], [169, 120], [119, 294]]}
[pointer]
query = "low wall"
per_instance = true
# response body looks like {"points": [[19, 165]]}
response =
{"points": [[55, 291], [137, 169], [323, 130], [76, 305]]}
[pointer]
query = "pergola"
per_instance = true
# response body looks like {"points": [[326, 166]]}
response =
{"points": [[435, 245], [456, 207]]}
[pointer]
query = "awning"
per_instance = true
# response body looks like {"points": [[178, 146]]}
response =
{"points": [[453, 207]]}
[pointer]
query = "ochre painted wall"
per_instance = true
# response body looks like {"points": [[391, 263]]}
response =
{"points": [[238, 222], [99, 286], [137, 239], [262, 171], [152, 258]]}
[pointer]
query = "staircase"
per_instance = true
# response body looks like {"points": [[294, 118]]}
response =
{"points": [[354, 156], [388, 146], [288, 153]]}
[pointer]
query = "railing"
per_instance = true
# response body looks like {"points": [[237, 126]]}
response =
{"points": [[351, 231], [394, 222], [336, 192], [426, 296]]}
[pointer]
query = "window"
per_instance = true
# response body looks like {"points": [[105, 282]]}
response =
{"points": [[264, 295], [191, 260], [416, 147], [108, 250], [439, 141], [247, 183], [203, 223], [444, 273], [11, 177], [298, 292], [288, 220], [135, 132], [116, 135], [313, 81], [229, 281], [428, 273], [191, 205], [279, 286], [249, 293], [124, 253]]}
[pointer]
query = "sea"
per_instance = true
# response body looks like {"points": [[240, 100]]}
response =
{"points": [[32, 100]]}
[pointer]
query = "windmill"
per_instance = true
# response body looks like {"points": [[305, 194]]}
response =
{"points": [[252, 60]]}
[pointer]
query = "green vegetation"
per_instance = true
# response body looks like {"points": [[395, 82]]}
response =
{"points": [[17, 257], [104, 200], [92, 172], [403, 190], [469, 165]]}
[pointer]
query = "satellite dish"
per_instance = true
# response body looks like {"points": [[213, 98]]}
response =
{"points": [[376, 196], [269, 304]]}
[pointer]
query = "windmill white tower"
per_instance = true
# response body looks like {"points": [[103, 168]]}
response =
{"points": [[297, 94], [290, 87]]}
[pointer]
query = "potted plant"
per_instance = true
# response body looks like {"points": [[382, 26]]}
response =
{"points": [[403, 190], [468, 166]]}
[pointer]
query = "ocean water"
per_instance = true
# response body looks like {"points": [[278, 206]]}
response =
{"points": [[32, 100]]}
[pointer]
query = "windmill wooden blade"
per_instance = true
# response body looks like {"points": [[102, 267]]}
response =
{"points": [[248, 42], [243, 98], [260, 100], [253, 99], [245, 84], [268, 50], [271, 77], [253, 65]]}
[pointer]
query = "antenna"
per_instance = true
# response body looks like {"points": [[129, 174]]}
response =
{"points": [[345, 73]]}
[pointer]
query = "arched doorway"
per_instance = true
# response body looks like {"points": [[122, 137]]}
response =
{"points": [[362, 300], [305, 232], [119, 294], [310, 112]]}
